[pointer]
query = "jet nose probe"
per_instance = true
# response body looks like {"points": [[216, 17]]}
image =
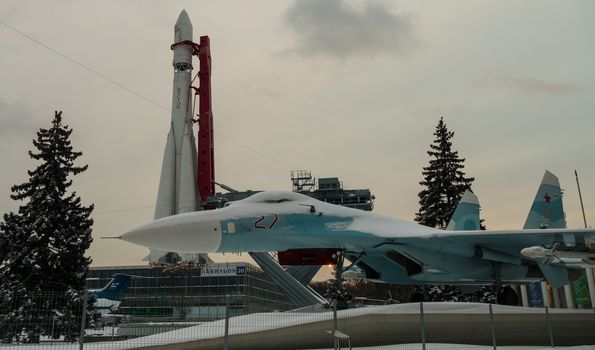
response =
{"points": [[186, 233]]}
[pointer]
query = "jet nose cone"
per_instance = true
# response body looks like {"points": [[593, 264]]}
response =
{"points": [[185, 233]]}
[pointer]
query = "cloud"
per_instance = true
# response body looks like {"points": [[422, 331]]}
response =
{"points": [[15, 119], [528, 85], [335, 28], [533, 85]]}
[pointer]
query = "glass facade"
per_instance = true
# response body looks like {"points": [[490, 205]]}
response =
{"points": [[193, 293]]}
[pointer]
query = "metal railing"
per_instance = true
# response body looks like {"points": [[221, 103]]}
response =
{"points": [[40, 320]]}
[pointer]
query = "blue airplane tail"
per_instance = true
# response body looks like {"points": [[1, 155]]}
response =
{"points": [[466, 214], [547, 210], [115, 288]]}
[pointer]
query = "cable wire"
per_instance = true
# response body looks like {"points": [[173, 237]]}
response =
{"points": [[124, 87]]}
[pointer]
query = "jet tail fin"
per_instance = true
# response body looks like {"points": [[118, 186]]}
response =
{"points": [[115, 288], [466, 214], [547, 210]]}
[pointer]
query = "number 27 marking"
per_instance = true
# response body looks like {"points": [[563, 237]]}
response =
{"points": [[257, 223]]}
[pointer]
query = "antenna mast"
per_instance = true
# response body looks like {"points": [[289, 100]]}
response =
{"points": [[580, 196]]}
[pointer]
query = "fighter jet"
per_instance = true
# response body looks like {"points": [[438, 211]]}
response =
{"points": [[385, 248]]}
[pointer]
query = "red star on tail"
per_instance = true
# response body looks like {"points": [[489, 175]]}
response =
{"points": [[548, 198]]}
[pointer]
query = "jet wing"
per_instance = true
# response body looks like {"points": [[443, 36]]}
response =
{"points": [[450, 256], [506, 246], [510, 242]]}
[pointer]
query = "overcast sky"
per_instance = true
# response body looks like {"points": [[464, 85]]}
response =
{"points": [[352, 89]]}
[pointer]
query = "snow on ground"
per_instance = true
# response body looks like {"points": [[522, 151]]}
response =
{"points": [[105, 331], [267, 321], [112, 346], [470, 347]]}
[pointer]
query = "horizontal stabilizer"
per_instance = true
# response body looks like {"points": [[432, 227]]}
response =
{"points": [[557, 276]]}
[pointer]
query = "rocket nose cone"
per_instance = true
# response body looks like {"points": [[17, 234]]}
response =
{"points": [[183, 18], [183, 28]]}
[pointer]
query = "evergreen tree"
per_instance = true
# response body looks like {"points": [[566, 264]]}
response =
{"points": [[444, 184], [444, 181], [43, 265], [444, 293]]}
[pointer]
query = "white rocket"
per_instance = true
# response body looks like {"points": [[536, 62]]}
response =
{"points": [[178, 191]]}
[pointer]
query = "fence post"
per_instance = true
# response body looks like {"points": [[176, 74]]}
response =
{"points": [[52, 335], [83, 319], [334, 323], [226, 337], [549, 326], [423, 326], [493, 326]]}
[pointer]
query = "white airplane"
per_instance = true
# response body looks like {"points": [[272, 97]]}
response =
{"points": [[385, 248], [108, 298]]}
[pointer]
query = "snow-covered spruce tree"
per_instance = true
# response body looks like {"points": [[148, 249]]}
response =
{"points": [[43, 265], [444, 181], [444, 184]]}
